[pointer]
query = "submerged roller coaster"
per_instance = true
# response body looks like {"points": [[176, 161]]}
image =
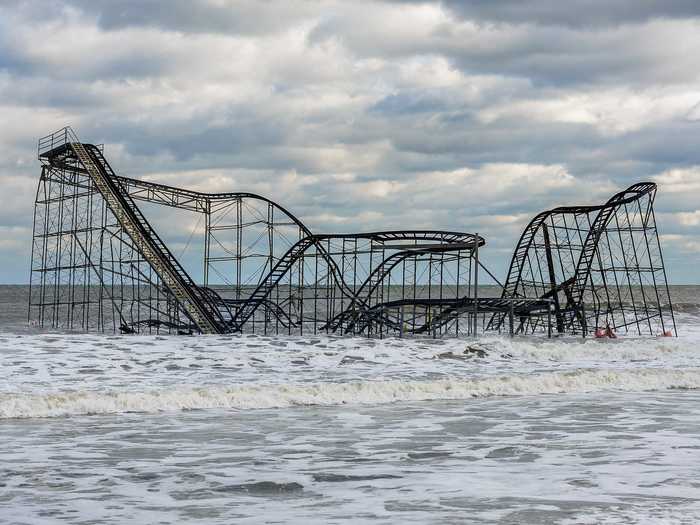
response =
{"points": [[99, 264]]}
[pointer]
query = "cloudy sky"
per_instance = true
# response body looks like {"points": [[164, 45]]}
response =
{"points": [[361, 115]]}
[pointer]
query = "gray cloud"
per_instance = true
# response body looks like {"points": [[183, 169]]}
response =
{"points": [[574, 13], [245, 17], [642, 53], [359, 115]]}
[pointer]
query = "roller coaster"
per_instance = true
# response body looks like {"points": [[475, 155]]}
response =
{"points": [[98, 264]]}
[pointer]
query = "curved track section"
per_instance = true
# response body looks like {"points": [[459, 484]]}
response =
{"points": [[601, 266], [98, 262], [440, 242], [362, 312], [102, 259]]}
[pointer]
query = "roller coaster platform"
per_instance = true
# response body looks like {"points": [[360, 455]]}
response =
{"points": [[98, 264]]}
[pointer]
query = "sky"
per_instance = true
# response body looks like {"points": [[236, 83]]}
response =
{"points": [[359, 116]]}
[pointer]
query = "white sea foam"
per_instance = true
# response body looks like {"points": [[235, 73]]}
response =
{"points": [[259, 396]]}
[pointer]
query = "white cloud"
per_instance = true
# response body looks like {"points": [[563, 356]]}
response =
{"points": [[684, 243], [612, 112], [689, 218], [680, 180]]}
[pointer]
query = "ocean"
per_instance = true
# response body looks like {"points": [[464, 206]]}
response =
{"points": [[104, 428]]}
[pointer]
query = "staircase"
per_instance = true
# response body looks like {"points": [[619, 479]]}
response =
{"points": [[270, 281], [585, 262], [510, 288], [197, 305], [375, 279]]}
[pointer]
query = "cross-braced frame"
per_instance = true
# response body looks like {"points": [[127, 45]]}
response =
{"points": [[99, 264]]}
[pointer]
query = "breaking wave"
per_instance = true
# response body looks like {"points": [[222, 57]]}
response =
{"points": [[18, 405]]}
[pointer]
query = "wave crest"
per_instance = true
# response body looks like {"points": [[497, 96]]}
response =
{"points": [[261, 396]]}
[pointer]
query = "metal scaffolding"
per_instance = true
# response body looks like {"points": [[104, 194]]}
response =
{"points": [[98, 264], [601, 266]]}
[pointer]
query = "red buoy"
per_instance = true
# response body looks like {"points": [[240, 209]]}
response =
{"points": [[601, 333]]}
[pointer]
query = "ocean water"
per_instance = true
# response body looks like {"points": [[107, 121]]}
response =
{"points": [[254, 429]]}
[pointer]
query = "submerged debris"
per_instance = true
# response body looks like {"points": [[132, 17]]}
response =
{"points": [[476, 350], [348, 359]]}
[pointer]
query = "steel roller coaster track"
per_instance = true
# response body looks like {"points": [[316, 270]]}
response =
{"points": [[99, 264]]}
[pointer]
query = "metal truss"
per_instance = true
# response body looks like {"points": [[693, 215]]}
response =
{"points": [[98, 264], [601, 266]]}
